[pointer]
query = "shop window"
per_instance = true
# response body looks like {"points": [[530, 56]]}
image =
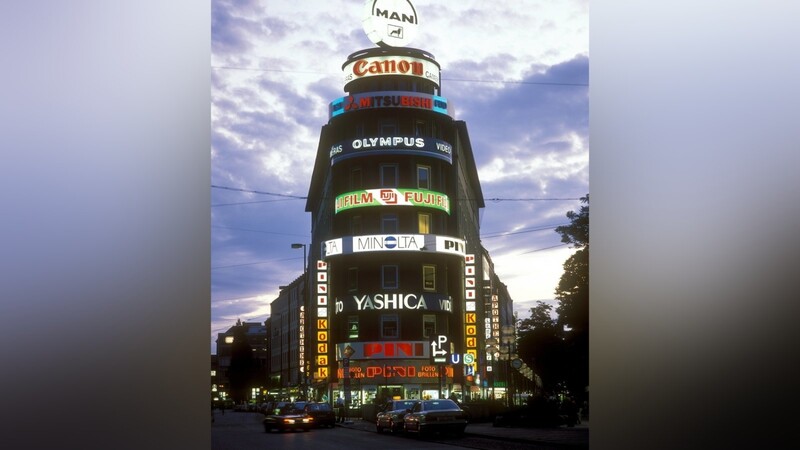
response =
{"points": [[423, 177], [388, 128], [429, 277], [390, 326], [424, 220], [352, 278], [388, 175], [428, 325], [389, 223], [389, 277], [352, 327]]}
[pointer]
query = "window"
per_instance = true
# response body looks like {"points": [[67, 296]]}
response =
{"points": [[423, 177], [428, 325], [355, 178], [388, 128], [352, 327], [388, 175], [424, 220], [352, 278], [355, 225], [360, 130], [429, 277], [390, 326], [389, 277], [419, 128], [389, 223]]}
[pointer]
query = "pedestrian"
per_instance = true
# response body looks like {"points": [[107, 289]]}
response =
{"points": [[340, 408]]}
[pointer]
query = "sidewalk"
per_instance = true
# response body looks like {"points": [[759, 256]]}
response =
{"points": [[563, 436]]}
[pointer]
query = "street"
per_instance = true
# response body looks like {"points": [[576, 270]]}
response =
{"points": [[243, 431]]}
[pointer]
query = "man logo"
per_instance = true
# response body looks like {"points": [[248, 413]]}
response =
{"points": [[390, 23]]}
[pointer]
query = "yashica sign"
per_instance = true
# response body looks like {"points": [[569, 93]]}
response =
{"points": [[394, 302]]}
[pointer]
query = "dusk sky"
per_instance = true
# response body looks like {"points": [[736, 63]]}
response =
{"points": [[517, 72]]}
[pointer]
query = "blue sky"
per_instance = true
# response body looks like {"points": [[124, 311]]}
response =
{"points": [[517, 72]]}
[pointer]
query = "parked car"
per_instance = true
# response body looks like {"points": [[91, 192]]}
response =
{"points": [[430, 416], [288, 418], [390, 416], [322, 413]]}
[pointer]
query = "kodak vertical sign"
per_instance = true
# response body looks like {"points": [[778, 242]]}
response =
{"points": [[470, 315], [323, 322]]}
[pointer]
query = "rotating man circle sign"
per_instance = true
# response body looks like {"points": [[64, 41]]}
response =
{"points": [[390, 23]]}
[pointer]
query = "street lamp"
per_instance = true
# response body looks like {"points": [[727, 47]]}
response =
{"points": [[305, 303]]}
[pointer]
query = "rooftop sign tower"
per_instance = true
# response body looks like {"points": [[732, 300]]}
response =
{"points": [[390, 23]]}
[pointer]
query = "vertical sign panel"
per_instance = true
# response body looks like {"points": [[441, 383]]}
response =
{"points": [[322, 325]]}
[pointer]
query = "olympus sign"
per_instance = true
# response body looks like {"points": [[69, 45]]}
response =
{"points": [[390, 23]]}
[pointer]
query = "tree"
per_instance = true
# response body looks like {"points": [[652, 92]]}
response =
{"points": [[573, 296], [541, 345]]}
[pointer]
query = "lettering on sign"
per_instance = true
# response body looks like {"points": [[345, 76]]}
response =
{"points": [[322, 336], [322, 324], [471, 330], [322, 300], [395, 301], [322, 360], [470, 317], [322, 372], [472, 342], [322, 348]]}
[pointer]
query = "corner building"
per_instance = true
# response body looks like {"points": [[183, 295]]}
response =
{"points": [[395, 260]]}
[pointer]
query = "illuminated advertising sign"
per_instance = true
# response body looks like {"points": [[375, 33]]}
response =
{"points": [[322, 324], [394, 242], [393, 197], [394, 302], [392, 145], [390, 23], [408, 371], [374, 66], [388, 99], [386, 350]]}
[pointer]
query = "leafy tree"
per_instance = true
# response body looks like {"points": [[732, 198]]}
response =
{"points": [[573, 296], [541, 345]]}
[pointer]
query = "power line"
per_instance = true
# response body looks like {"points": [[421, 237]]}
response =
{"points": [[509, 233], [254, 263], [259, 231], [250, 203], [462, 80], [258, 192]]}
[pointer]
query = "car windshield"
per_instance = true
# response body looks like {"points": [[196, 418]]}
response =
{"points": [[433, 405], [403, 405]]}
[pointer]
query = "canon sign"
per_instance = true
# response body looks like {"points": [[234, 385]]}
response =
{"points": [[391, 65], [390, 23]]}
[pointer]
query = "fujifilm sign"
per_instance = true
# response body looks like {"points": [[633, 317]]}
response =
{"points": [[390, 23]]}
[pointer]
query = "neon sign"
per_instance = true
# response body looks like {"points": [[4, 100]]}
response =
{"points": [[394, 302], [383, 350], [390, 22], [394, 242], [392, 145], [392, 197], [388, 99], [391, 65]]}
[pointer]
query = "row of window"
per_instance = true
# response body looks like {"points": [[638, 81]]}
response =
{"points": [[390, 326], [389, 176], [399, 83], [390, 224], [390, 277]]}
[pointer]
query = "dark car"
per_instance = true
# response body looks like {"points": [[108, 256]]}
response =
{"points": [[322, 413], [390, 416], [288, 418], [432, 416]]}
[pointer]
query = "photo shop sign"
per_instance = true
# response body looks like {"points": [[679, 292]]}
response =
{"points": [[393, 243]]}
